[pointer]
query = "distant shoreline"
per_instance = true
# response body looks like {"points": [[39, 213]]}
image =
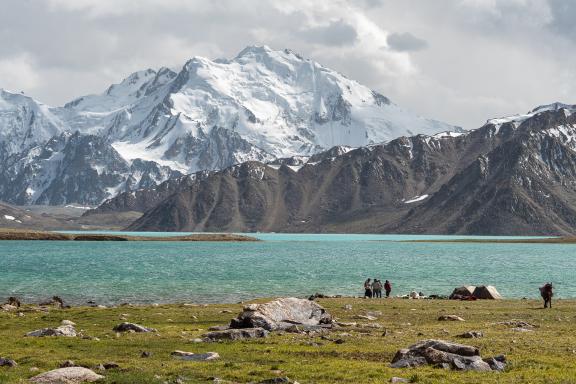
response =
{"points": [[544, 240], [16, 234]]}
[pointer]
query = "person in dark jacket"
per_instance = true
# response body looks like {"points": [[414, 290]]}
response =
{"points": [[367, 289], [387, 288]]}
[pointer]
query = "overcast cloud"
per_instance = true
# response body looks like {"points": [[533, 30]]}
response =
{"points": [[460, 61]]}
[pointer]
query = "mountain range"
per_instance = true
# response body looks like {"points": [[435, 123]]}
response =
{"points": [[512, 176], [158, 125]]}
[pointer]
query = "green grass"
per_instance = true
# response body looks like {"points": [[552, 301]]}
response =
{"points": [[547, 355]]}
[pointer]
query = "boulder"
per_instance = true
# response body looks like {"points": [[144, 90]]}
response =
{"points": [[131, 327], [236, 334], [450, 318], [70, 375], [516, 324], [471, 335], [63, 330], [443, 354], [278, 380], [67, 364], [281, 314], [487, 292], [8, 307], [189, 356], [4, 362]]}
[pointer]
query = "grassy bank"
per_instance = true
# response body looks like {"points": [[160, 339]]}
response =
{"points": [[546, 355], [17, 234]]}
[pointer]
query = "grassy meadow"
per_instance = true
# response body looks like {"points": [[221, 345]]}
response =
{"points": [[545, 355]]}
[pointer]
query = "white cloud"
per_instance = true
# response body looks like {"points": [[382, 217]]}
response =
{"points": [[484, 58], [17, 73]]}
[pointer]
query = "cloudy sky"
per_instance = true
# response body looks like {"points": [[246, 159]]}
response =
{"points": [[460, 61]]}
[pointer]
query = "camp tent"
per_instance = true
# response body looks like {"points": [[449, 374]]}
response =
{"points": [[486, 292], [463, 291]]}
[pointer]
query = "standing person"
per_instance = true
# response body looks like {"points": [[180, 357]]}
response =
{"points": [[377, 288], [387, 288], [367, 289]]}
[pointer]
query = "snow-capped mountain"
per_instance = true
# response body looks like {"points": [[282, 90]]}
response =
{"points": [[25, 123], [261, 105]]}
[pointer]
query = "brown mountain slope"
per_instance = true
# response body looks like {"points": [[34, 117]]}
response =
{"points": [[512, 176]]}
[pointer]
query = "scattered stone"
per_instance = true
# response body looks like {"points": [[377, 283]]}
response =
{"points": [[71, 375], [372, 325], [131, 327], [518, 329], [5, 362], [110, 365], [189, 356], [366, 317], [443, 354], [68, 322], [236, 334], [347, 307], [516, 324], [374, 313], [55, 301], [219, 328], [342, 324], [8, 307], [471, 335], [225, 311], [63, 330], [450, 318], [278, 380], [386, 333], [308, 329], [497, 363], [339, 341], [145, 354], [399, 380], [282, 313], [67, 364]]}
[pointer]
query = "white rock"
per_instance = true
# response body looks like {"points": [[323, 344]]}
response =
{"points": [[189, 356], [71, 375]]}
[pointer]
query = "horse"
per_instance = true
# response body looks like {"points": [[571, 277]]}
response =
{"points": [[547, 292]]}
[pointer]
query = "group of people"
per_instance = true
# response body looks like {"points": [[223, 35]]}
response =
{"points": [[373, 289]]}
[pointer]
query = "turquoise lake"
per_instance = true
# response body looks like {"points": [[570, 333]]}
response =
{"points": [[281, 265]]}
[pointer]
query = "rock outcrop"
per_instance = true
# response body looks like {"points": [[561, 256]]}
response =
{"points": [[235, 334], [189, 356], [131, 327], [446, 355], [70, 375], [5, 362], [281, 314], [63, 330]]}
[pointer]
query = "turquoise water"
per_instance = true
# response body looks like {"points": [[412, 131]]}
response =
{"points": [[283, 264]]}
